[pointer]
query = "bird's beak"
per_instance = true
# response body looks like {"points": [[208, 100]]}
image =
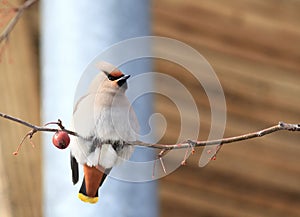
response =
{"points": [[122, 80]]}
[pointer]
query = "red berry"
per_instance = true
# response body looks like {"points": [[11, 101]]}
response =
{"points": [[61, 139]]}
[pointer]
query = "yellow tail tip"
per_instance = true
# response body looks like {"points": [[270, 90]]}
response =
{"points": [[87, 199]]}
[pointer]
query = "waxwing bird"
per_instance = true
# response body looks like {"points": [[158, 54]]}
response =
{"points": [[104, 120]]}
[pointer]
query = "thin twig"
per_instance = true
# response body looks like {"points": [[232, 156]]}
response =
{"points": [[19, 12], [28, 135], [163, 165], [186, 155]]}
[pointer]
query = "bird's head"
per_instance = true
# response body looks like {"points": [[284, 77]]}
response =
{"points": [[116, 78], [113, 79]]}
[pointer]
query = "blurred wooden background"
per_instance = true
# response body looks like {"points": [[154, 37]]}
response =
{"points": [[254, 48], [21, 181]]}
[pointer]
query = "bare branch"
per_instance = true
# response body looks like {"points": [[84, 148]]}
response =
{"points": [[19, 12], [189, 144], [38, 128]]}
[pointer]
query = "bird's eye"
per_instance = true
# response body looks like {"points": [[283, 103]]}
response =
{"points": [[113, 78]]}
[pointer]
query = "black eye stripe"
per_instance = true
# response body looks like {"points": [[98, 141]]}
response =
{"points": [[113, 78]]}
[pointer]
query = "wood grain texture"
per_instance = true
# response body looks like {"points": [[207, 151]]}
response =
{"points": [[19, 94], [254, 48], [5, 205]]}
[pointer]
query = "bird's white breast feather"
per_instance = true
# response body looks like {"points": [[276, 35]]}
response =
{"points": [[95, 117]]}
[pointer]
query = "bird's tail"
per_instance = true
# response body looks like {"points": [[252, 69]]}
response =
{"points": [[92, 181]]}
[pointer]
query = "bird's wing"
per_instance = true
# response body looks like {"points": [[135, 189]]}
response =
{"points": [[83, 115], [84, 109], [134, 121], [74, 168]]}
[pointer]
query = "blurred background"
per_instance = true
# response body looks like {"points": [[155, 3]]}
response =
{"points": [[254, 48]]}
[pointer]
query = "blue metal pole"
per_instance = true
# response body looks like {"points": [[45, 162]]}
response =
{"points": [[73, 32]]}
